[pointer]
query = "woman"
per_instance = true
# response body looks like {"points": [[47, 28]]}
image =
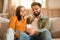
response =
{"points": [[18, 24]]}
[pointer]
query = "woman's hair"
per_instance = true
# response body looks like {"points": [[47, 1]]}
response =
{"points": [[18, 12]]}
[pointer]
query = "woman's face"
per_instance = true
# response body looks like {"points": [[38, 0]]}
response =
{"points": [[22, 11]]}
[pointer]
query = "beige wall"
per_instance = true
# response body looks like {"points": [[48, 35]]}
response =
{"points": [[54, 4], [53, 9], [1, 6], [52, 13]]}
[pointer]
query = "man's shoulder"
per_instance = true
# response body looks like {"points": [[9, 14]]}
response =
{"points": [[44, 17]]}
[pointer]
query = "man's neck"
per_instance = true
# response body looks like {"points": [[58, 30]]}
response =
{"points": [[38, 17]]}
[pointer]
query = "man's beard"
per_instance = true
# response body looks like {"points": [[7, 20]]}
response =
{"points": [[36, 14]]}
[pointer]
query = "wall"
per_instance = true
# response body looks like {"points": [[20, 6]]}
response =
{"points": [[54, 4], [54, 8], [1, 6]]}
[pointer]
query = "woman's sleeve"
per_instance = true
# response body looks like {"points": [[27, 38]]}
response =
{"points": [[12, 22]]}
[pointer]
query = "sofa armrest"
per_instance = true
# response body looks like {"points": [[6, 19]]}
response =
{"points": [[3, 29], [55, 28]]}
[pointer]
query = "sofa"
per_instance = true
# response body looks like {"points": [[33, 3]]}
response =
{"points": [[3, 27], [55, 28]]}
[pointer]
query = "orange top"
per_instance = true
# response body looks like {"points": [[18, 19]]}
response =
{"points": [[17, 25]]}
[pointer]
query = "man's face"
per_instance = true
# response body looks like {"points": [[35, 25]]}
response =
{"points": [[36, 10]]}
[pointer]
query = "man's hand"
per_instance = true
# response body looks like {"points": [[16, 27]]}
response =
{"points": [[31, 31]]}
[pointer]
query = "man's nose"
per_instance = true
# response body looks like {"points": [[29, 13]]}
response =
{"points": [[35, 10]]}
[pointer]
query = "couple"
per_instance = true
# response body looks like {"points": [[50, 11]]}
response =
{"points": [[19, 23]]}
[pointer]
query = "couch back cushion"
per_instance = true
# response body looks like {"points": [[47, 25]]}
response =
{"points": [[55, 28]]}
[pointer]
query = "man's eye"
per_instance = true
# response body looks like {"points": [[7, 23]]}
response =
{"points": [[33, 9], [36, 9]]}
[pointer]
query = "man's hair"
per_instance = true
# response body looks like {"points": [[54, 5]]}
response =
{"points": [[35, 3]]}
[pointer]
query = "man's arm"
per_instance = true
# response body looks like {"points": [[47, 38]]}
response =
{"points": [[47, 24]]}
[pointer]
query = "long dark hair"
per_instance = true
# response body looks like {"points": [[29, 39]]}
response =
{"points": [[18, 12]]}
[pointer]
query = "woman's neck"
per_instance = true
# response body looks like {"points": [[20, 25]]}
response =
{"points": [[22, 17]]}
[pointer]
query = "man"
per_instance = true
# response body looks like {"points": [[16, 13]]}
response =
{"points": [[40, 24]]}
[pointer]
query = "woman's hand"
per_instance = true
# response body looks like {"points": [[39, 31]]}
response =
{"points": [[16, 35]]}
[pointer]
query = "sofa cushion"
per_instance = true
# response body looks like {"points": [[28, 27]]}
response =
{"points": [[4, 19], [55, 28]]}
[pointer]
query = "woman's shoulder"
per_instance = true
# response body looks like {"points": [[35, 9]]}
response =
{"points": [[13, 17]]}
